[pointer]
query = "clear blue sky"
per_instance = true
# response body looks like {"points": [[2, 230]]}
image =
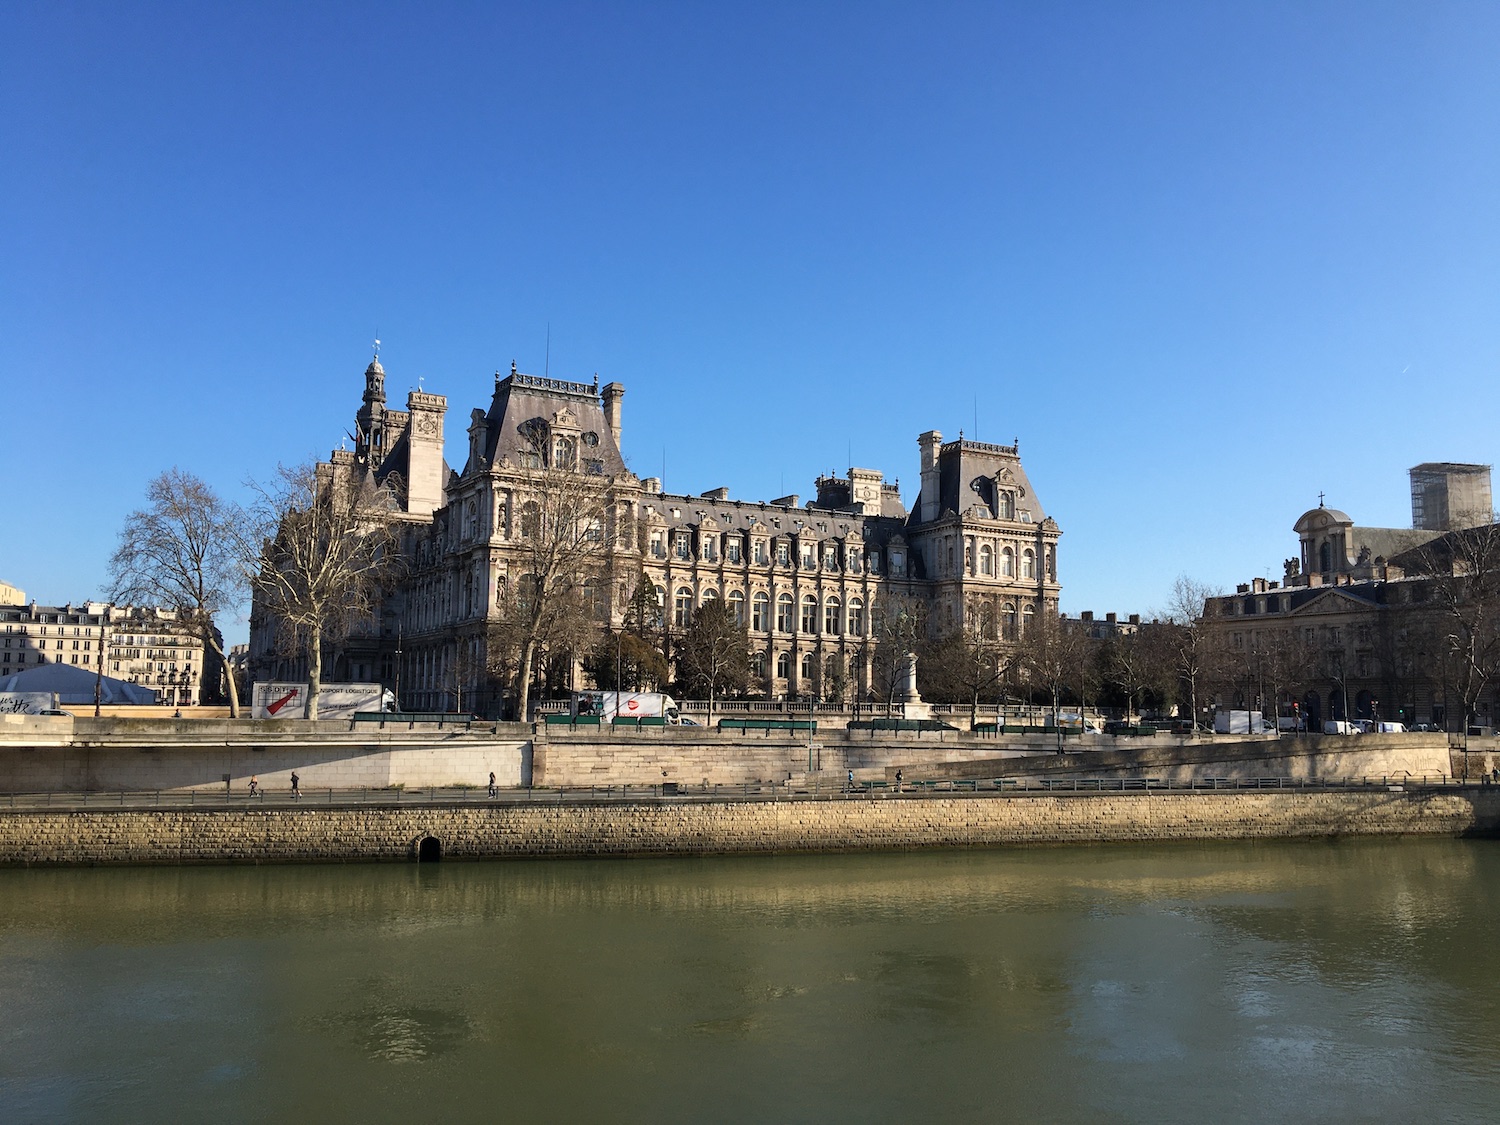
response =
{"points": [[1203, 260]]}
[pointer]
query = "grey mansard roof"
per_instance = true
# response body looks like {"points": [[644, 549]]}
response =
{"points": [[521, 399]]}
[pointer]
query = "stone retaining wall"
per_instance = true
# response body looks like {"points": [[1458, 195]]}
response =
{"points": [[671, 827]]}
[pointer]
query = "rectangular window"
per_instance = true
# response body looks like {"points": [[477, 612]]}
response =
{"points": [[681, 547], [732, 549], [783, 553]]}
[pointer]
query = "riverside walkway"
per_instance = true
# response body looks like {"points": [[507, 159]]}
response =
{"points": [[469, 796]]}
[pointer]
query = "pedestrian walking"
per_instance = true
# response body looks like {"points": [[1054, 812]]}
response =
{"points": [[492, 783], [254, 787], [898, 781], [296, 781], [851, 781]]}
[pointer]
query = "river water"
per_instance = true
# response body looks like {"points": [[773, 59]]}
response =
{"points": [[1287, 981]]}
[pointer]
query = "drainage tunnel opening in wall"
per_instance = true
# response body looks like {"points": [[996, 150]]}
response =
{"points": [[429, 850]]}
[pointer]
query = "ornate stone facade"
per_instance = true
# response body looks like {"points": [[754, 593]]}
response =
{"points": [[809, 581]]}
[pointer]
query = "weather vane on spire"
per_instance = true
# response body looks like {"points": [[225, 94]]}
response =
{"points": [[377, 343]]}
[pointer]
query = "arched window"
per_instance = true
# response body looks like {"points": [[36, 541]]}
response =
{"points": [[986, 560], [1028, 615], [809, 613], [758, 665], [710, 595], [682, 607], [564, 453], [809, 667], [661, 601], [531, 520], [856, 617], [737, 607], [1007, 505], [1008, 622], [783, 665], [760, 612], [784, 613], [1028, 563], [1007, 563], [593, 601], [832, 613]]}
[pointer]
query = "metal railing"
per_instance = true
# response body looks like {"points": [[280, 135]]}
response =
{"points": [[815, 789]]}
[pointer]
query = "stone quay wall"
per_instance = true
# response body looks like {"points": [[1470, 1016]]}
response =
{"points": [[1313, 757], [40, 755], [676, 827]]}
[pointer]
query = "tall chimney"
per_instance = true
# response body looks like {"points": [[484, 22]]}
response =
{"points": [[930, 443], [612, 394]]}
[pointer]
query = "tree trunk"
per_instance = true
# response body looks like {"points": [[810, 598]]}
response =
{"points": [[314, 675], [234, 689], [523, 687]]}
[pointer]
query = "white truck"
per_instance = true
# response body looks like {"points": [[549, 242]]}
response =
{"points": [[611, 705], [1239, 722]]}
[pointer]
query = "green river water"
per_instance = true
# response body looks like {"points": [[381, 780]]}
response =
{"points": [[1287, 981]]}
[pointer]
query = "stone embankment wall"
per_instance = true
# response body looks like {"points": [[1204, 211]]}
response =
{"points": [[63, 755], [707, 757], [1316, 757], [672, 827], [71, 755]]}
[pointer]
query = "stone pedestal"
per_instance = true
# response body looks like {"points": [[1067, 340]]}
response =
{"points": [[912, 705]]}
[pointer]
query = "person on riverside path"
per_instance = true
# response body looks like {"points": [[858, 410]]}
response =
{"points": [[254, 787], [851, 781], [898, 781], [492, 783], [296, 781]]}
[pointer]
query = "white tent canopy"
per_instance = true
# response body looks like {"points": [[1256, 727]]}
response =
{"points": [[72, 684]]}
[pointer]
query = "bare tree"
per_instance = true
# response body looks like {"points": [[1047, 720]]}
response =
{"points": [[326, 555], [184, 550], [969, 664], [714, 655], [1054, 654], [1280, 660], [547, 607], [1466, 569], [1196, 652], [900, 626], [1136, 663]]}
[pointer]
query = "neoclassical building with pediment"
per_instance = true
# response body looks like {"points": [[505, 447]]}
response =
{"points": [[808, 580], [1360, 611]]}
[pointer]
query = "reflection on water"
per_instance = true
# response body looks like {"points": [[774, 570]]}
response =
{"points": [[1348, 981]]}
